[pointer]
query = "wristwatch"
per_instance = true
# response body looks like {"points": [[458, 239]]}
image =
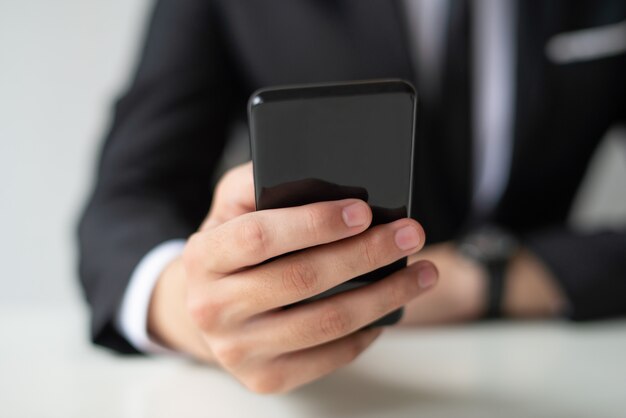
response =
{"points": [[492, 247]]}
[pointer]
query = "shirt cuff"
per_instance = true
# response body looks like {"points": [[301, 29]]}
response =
{"points": [[132, 317]]}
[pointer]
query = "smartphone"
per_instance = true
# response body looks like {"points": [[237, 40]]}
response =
{"points": [[322, 142]]}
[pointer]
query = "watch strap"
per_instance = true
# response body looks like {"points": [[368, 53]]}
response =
{"points": [[496, 271]]}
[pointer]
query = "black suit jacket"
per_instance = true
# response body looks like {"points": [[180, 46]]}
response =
{"points": [[203, 58]]}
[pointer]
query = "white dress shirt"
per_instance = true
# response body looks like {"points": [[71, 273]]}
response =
{"points": [[132, 318], [493, 65]]}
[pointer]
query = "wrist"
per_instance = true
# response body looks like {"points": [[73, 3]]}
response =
{"points": [[491, 248], [459, 295], [169, 322], [475, 279], [531, 290]]}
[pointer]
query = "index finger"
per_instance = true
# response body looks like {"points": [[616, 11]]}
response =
{"points": [[258, 236]]}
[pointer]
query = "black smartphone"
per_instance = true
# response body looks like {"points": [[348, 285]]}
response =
{"points": [[323, 142]]}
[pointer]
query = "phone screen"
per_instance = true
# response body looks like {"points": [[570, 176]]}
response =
{"points": [[330, 142]]}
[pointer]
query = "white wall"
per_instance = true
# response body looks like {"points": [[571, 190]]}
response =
{"points": [[61, 63]]}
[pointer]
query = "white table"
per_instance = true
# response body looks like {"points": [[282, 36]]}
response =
{"points": [[47, 369]]}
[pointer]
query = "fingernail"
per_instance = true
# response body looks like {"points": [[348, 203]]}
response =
{"points": [[426, 276], [356, 214], [407, 238]]}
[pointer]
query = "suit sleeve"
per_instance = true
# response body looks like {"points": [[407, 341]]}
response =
{"points": [[590, 268], [153, 182]]}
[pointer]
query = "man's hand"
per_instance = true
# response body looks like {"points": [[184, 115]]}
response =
{"points": [[530, 290], [221, 302], [460, 297]]}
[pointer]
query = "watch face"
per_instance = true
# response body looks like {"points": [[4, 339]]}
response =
{"points": [[488, 244]]}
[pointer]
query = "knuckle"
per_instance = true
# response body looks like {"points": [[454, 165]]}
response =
{"points": [[314, 219], [299, 277], [230, 353], [254, 236], [371, 249], [200, 253], [207, 314], [334, 323]]}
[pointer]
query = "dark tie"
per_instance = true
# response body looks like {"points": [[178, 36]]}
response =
{"points": [[443, 162]]}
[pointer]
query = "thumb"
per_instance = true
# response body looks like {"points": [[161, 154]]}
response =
{"points": [[233, 196]]}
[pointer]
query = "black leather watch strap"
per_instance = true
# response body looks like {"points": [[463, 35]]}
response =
{"points": [[495, 288], [492, 248]]}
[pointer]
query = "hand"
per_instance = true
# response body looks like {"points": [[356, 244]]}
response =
{"points": [[460, 297], [530, 290], [222, 301]]}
